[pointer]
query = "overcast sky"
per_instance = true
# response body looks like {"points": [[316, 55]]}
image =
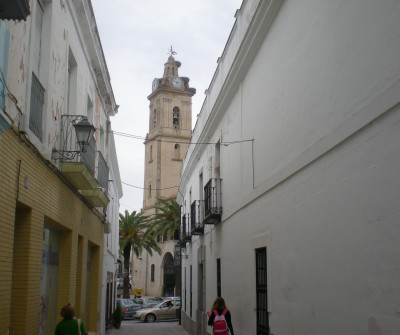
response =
{"points": [[136, 35]]}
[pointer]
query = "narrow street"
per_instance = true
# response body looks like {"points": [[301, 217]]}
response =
{"points": [[142, 328]]}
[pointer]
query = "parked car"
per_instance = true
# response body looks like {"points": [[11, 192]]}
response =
{"points": [[147, 302], [129, 308], [171, 298], [166, 310]]}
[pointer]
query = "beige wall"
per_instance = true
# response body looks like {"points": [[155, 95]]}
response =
{"points": [[33, 195]]}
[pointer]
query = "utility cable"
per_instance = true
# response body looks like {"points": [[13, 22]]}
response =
{"points": [[153, 189]]}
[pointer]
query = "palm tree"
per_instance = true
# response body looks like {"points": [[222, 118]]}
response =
{"points": [[135, 234], [166, 219]]}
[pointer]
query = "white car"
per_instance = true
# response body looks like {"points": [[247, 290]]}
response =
{"points": [[166, 310]]}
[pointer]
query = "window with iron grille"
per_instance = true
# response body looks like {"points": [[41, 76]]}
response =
{"points": [[185, 292], [219, 277], [191, 293], [152, 273], [36, 112], [175, 115], [261, 292]]}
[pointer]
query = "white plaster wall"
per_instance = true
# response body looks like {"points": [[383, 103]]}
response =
{"points": [[62, 30], [331, 232], [320, 99]]}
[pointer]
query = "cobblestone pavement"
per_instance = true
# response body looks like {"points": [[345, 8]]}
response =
{"points": [[144, 328]]}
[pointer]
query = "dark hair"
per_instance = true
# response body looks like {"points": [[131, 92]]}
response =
{"points": [[67, 312], [219, 303]]}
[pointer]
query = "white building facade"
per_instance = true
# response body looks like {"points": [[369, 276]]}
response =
{"points": [[289, 190], [111, 238]]}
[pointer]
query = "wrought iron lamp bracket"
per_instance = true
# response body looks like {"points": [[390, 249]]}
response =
{"points": [[77, 121]]}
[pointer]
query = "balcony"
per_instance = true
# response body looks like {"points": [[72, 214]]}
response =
{"points": [[80, 171], [213, 201], [78, 167], [96, 197], [185, 233], [196, 217]]}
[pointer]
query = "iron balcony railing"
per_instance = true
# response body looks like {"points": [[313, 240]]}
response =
{"points": [[185, 232], [102, 173], [89, 156], [69, 144], [213, 201], [196, 217]]}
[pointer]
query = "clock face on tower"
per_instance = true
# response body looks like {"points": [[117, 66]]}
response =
{"points": [[155, 84], [177, 82]]}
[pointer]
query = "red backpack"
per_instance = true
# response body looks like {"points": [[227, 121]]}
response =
{"points": [[220, 325]]}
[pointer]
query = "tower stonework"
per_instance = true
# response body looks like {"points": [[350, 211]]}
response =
{"points": [[170, 130]]}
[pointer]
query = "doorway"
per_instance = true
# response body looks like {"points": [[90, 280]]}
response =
{"points": [[169, 275]]}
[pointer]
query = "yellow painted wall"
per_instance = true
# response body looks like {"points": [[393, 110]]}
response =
{"points": [[32, 194]]}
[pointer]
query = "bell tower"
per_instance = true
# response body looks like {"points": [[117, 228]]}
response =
{"points": [[170, 130]]}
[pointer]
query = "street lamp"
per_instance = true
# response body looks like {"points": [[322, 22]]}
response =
{"points": [[84, 132]]}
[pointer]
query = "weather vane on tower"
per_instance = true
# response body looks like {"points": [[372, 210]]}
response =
{"points": [[171, 52]]}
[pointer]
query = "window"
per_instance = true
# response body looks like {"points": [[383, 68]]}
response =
{"points": [[219, 277], [41, 28], [191, 293], [36, 110], [261, 292], [154, 118], [37, 37], [175, 116], [217, 160], [185, 292], [151, 154], [152, 273], [89, 110], [72, 84], [102, 141], [149, 191], [177, 151]]}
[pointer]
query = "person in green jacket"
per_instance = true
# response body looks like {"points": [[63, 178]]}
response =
{"points": [[69, 325]]}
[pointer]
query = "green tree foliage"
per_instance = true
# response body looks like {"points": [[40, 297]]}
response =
{"points": [[135, 235], [166, 219]]}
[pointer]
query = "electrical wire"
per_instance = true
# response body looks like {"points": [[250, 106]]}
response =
{"points": [[153, 189], [118, 133]]}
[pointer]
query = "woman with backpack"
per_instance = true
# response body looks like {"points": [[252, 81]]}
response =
{"points": [[220, 318]]}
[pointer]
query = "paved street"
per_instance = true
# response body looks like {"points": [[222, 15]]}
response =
{"points": [[156, 328]]}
